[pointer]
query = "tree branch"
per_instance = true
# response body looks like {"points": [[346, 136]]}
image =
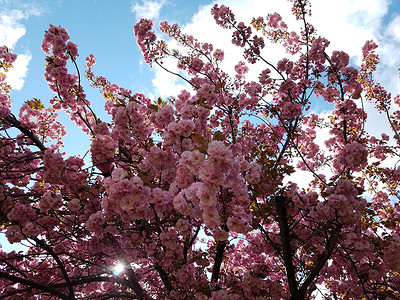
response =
{"points": [[33, 284], [281, 211], [219, 255], [12, 120], [60, 264], [322, 259]]}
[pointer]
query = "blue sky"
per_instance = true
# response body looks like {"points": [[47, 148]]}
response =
{"points": [[105, 29]]}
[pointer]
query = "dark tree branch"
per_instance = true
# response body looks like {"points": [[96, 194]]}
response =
{"points": [[45, 288], [284, 230], [60, 264], [164, 277], [219, 255], [133, 283], [12, 120], [322, 259]]}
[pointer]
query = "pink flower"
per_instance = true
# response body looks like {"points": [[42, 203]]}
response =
{"points": [[14, 234], [238, 225], [142, 28], [72, 49], [253, 175], [54, 166], [4, 111], [353, 155], [197, 65], [340, 59], [221, 235], [285, 65], [74, 205], [103, 149], [223, 16], [31, 229], [90, 61], [210, 216], [21, 213], [218, 55], [119, 173], [186, 127], [273, 20], [207, 195], [95, 223], [163, 116], [368, 47], [181, 205], [241, 68]]}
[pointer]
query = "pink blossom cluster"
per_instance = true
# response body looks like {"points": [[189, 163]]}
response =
{"points": [[317, 52], [4, 110], [256, 45], [43, 122], [285, 66], [6, 60], [241, 35], [56, 38], [90, 61], [130, 124], [103, 149], [264, 77], [95, 223], [241, 69], [74, 175], [339, 59], [343, 201], [54, 166], [196, 65], [55, 41], [275, 21], [219, 55], [6, 57], [353, 155], [163, 116], [21, 214], [127, 197], [368, 48], [49, 201], [14, 234], [145, 37], [206, 94], [292, 43], [158, 163], [253, 173], [330, 94], [343, 112], [70, 94], [253, 93], [219, 169], [223, 16]]}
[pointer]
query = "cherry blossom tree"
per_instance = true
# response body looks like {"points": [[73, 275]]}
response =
{"points": [[193, 196]]}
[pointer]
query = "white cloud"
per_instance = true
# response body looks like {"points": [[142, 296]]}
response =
{"points": [[149, 9], [166, 83], [16, 75], [11, 30]]}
